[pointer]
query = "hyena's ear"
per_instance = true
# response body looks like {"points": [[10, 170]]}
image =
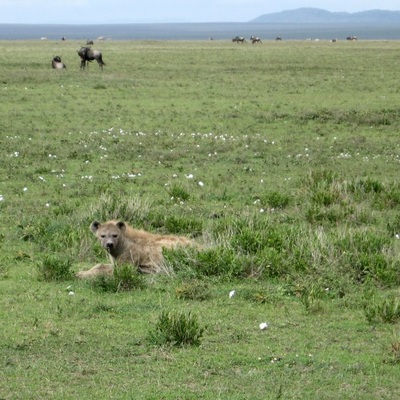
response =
{"points": [[94, 226], [121, 225]]}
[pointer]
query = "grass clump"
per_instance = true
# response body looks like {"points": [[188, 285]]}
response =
{"points": [[124, 278], [178, 193], [386, 310], [276, 199], [177, 329], [53, 267], [194, 289]]}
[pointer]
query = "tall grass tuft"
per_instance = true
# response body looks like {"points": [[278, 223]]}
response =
{"points": [[53, 267], [124, 278], [129, 208], [177, 329], [386, 310]]}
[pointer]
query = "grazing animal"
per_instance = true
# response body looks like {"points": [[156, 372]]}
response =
{"points": [[89, 42], [128, 245], [56, 63], [239, 39], [87, 55], [255, 39], [351, 38], [278, 38]]}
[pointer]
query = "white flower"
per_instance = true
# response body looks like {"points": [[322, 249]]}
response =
{"points": [[201, 183], [232, 293], [189, 176], [1, 197], [25, 189], [397, 236], [263, 326], [71, 293]]}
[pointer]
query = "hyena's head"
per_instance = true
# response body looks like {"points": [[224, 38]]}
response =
{"points": [[110, 234]]}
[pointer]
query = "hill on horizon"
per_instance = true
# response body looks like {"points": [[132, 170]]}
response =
{"points": [[316, 15]]}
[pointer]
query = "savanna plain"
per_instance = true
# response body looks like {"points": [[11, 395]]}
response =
{"points": [[281, 159]]}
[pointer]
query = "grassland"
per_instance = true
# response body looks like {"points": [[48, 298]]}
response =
{"points": [[282, 159]]}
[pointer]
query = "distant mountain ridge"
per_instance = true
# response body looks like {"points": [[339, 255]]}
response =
{"points": [[319, 16]]}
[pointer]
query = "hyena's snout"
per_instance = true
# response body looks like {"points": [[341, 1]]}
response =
{"points": [[109, 245]]}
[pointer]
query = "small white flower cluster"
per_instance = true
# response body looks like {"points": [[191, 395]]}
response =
{"points": [[344, 155], [128, 175]]}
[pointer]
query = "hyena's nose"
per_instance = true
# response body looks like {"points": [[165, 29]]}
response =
{"points": [[109, 245]]}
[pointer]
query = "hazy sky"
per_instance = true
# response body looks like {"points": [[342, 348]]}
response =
{"points": [[121, 11]]}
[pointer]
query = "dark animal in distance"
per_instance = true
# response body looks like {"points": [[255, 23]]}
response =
{"points": [[88, 55], [255, 39], [278, 38], [351, 38], [56, 63], [89, 42], [239, 39]]}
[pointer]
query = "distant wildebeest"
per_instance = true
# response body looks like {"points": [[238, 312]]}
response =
{"points": [[351, 38], [87, 55], [89, 42], [239, 39], [255, 39], [278, 38], [56, 63], [333, 40]]}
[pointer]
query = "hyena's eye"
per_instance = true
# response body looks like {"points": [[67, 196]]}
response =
{"points": [[115, 236], [102, 236]]}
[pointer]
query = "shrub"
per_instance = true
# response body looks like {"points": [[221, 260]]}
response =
{"points": [[395, 352], [386, 310], [178, 192], [193, 290], [52, 234], [276, 200], [393, 225], [182, 224], [364, 255], [366, 185], [110, 206], [177, 329], [219, 262], [125, 278], [216, 261], [54, 268]]}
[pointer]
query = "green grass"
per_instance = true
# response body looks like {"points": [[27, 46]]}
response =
{"points": [[281, 160]]}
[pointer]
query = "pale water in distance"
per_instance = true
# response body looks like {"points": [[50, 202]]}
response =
{"points": [[199, 31]]}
